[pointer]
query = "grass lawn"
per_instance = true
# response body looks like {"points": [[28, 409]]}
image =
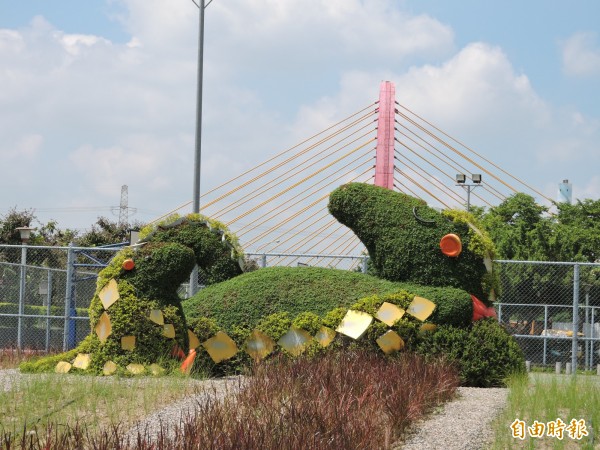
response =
{"points": [[537, 402]]}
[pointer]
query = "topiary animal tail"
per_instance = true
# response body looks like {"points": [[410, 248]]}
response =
{"points": [[136, 315]]}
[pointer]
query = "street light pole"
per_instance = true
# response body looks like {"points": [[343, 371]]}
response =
{"points": [[198, 146]]}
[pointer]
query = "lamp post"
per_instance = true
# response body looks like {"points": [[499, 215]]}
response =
{"points": [[25, 234], [198, 146], [461, 180]]}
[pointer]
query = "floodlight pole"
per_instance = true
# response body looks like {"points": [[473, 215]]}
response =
{"points": [[460, 180], [198, 152], [198, 147]]}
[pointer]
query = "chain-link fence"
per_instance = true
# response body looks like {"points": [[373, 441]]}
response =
{"points": [[343, 262], [553, 310], [45, 293]]}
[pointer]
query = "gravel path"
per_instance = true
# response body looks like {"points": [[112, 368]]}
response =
{"points": [[464, 423], [176, 414]]}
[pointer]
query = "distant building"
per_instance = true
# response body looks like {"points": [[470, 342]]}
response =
{"points": [[565, 192]]}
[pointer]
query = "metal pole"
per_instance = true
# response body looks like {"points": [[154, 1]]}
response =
{"points": [[468, 198], [575, 317], [68, 295], [48, 310], [545, 334], [21, 296], [198, 147], [364, 264], [592, 342], [197, 159], [587, 322]]}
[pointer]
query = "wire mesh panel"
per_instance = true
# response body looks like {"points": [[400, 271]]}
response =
{"points": [[342, 262], [551, 309], [45, 293]]}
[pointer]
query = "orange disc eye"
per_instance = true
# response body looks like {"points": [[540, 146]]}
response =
{"points": [[451, 245], [128, 264]]}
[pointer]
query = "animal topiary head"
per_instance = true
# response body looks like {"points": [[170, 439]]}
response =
{"points": [[404, 238]]}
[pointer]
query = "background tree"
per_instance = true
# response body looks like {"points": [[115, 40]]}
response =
{"points": [[105, 232]]}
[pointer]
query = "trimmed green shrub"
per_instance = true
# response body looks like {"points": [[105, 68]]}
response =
{"points": [[402, 235], [246, 299], [216, 249], [485, 353]]}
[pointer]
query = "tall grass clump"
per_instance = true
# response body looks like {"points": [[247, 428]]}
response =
{"points": [[545, 398], [349, 400]]}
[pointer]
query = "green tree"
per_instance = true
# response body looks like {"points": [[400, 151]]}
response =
{"points": [[105, 232], [521, 229], [577, 234]]}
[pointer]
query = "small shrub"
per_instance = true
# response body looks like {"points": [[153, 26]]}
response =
{"points": [[485, 353]]}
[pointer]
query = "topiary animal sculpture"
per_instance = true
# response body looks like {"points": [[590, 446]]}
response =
{"points": [[410, 242], [136, 315]]}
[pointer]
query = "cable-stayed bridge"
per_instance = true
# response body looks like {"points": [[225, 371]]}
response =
{"points": [[279, 207]]}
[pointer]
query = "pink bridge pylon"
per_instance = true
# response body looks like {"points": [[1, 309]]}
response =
{"points": [[384, 158]]}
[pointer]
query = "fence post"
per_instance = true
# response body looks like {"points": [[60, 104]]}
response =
{"points": [[592, 337], [364, 264], [21, 296], [263, 261], [69, 294], [575, 317], [545, 333], [48, 310]]}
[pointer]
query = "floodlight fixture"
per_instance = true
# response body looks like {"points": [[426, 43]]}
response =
{"points": [[476, 177], [461, 178]]}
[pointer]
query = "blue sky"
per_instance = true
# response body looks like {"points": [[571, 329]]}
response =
{"points": [[101, 93]]}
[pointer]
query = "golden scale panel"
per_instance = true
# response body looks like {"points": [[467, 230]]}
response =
{"points": [[109, 368], [128, 342], [421, 308], [390, 342], [157, 317], [325, 336], [354, 323], [295, 340], [109, 294], [389, 313], [194, 342], [103, 328], [259, 345], [169, 331], [82, 361], [62, 367], [427, 327], [220, 347], [136, 369]]}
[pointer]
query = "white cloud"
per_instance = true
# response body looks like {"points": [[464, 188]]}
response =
{"points": [[98, 114], [581, 55]]}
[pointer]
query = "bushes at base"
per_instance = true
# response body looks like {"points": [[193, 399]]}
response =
{"points": [[485, 352]]}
